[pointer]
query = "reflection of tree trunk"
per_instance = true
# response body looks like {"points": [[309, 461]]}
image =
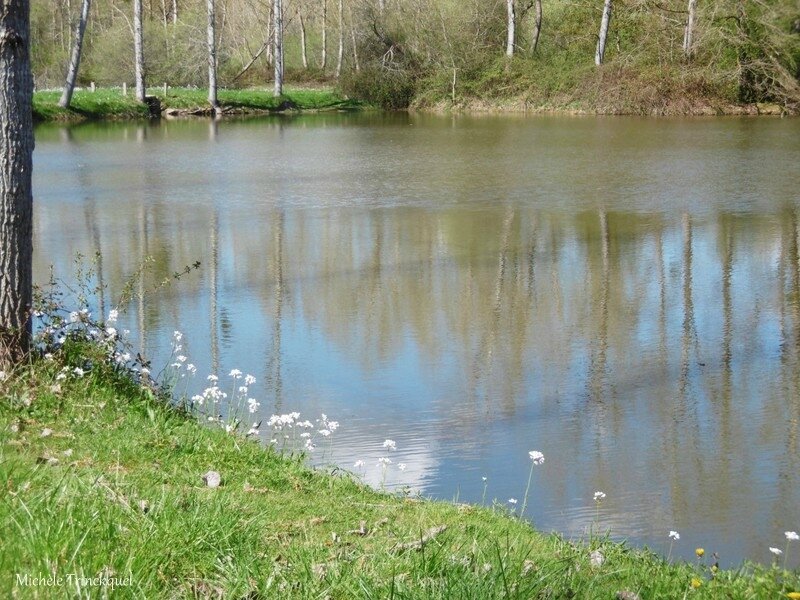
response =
{"points": [[494, 322], [600, 363], [143, 251], [214, 234], [274, 366], [727, 335], [662, 295], [688, 306]]}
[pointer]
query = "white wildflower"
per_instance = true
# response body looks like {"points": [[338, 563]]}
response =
{"points": [[599, 496], [235, 373], [181, 358], [512, 501], [78, 372], [112, 316], [536, 456], [390, 445], [674, 535], [792, 536], [402, 466], [249, 380], [359, 464], [776, 551]]}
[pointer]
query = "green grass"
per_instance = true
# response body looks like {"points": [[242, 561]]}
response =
{"points": [[275, 528], [109, 103]]}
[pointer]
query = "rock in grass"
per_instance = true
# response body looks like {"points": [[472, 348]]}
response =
{"points": [[596, 559], [626, 595], [212, 479]]}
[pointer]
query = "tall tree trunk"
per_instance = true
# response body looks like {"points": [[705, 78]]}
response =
{"points": [[600, 53], [277, 19], [211, 40], [75, 59], [174, 11], [303, 45], [510, 27], [381, 5], [689, 32], [324, 62], [353, 39], [16, 200], [138, 43], [537, 23], [340, 56]]}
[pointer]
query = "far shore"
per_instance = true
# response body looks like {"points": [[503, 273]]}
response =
{"points": [[112, 104]]}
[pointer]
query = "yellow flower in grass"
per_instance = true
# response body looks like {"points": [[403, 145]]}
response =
{"points": [[700, 552], [793, 595], [696, 583]]}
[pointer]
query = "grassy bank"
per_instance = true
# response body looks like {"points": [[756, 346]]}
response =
{"points": [[103, 479], [110, 103]]}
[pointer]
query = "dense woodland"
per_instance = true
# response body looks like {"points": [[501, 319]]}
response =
{"points": [[632, 55]]}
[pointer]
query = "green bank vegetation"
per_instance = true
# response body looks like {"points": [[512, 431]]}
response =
{"points": [[102, 477], [446, 54], [110, 103]]}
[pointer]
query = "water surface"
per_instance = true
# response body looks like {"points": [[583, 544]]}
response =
{"points": [[622, 294]]}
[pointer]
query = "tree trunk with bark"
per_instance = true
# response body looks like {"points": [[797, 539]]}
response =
{"points": [[340, 55], [138, 49], [277, 19], [537, 24], [75, 58], [600, 53], [689, 32], [16, 200], [211, 40], [174, 12], [511, 25]]}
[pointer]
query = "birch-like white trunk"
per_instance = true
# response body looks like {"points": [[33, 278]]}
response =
{"points": [[353, 39], [537, 23], [510, 28], [688, 35], [600, 53], [277, 40], [174, 11], [324, 62], [303, 44], [340, 55], [138, 50], [75, 58], [211, 41], [16, 199]]}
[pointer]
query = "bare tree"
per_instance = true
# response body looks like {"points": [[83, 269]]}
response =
{"points": [[75, 58], [600, 53], [537, 23], [324, 61], [340, 56], [16, 200], [277, 40], [174, 11], [211, 39], [138, 43], [511, 19], [688, 34], [303, 44]]}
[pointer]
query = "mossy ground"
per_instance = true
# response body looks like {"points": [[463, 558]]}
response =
{"points": [[114, 487]]}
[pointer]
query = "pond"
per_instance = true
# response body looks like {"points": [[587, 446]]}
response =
{"points": [[621, 294]]}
